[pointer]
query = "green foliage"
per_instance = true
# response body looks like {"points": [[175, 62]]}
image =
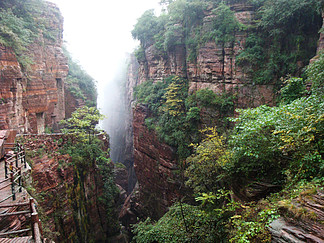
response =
{"points": [[20, 23], [183, 223], [146, 27], [176, 115], [294, 88], [83, 122], [251, 225], [293, 29], [179, 25], [79, 83], [140, 54], [272, 142], [205, 166], [315, 75], [224, 26]]}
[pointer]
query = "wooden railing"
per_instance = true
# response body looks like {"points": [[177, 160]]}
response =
{"points": [[35, 222], [13, 167], [13, 174]]}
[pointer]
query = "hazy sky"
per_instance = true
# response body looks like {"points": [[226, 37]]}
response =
{"points": [[97, 33]]}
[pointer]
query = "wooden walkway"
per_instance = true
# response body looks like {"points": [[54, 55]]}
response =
{"points": [[5, 188], [17, 240], [16, 206]]}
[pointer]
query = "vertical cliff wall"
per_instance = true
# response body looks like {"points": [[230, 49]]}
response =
{"points": [[215, 68], [33, 97], [70, 197], [212, 68]]}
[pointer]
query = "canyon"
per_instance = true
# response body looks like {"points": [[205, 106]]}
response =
{"points": [[36, 98]]}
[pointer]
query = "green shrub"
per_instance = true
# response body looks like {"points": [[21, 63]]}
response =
{"points": [[294, 88], [272, 141]]}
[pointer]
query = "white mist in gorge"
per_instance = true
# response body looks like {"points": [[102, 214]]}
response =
{"points": [[98, 35]]}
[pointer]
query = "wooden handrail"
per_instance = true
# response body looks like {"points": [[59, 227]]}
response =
{"points": [[14, 205], [35, 222], [14, 213], [14, 232]]}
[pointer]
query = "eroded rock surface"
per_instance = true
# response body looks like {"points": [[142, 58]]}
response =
{"points": [[32, 99]]}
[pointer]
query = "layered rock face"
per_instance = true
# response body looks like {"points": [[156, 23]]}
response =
{"points": [[216, 69], [69, 200], [155, 162], [34, 98], [303, 221], [213, 69]]}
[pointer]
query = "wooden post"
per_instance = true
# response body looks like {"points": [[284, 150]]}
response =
{"points": [[24, 159], [6, 168], [17, 157], [12, 186], [35, 222], [31, 206], [19, 181]]}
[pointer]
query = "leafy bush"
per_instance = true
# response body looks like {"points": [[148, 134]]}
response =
{"points": [[294, 88], [183, 223], [315, 74], [176, 114], [82, 123], [293, 27], [271, 142], [205, 167]]}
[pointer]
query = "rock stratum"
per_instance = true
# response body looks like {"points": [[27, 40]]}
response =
{"points": [[34, 98], [155, 162]]}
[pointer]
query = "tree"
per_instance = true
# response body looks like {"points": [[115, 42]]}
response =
{"points": [[206, 165], [83, 122]]}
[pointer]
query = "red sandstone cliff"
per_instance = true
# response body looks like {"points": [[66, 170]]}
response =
{"points": [[207, 71], [69, 201], [154, 161], [33, 99]]}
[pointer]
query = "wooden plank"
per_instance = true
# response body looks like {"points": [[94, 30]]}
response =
{"points": [[5, 186], [6, 198], [15, 213], [4, 181], [14, 205], [14, 232]]}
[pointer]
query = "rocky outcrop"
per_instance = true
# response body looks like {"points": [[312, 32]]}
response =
{"points": [[321, 39], [215, 68], [157, 173], [32, 99], [154, 161], [69, 200], [303, 221]]}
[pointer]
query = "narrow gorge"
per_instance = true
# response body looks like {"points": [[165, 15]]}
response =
{"points": [[214, 130]]}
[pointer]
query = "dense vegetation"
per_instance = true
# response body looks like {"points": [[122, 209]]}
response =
{"points": [[84, 155], [279, 148], [281, 38], [176, 115], [80, 83], [21, 22]]}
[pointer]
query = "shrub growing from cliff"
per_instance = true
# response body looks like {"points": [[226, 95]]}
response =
{"points": [[283, 41], [176, 114], [82, 123], [80, 83], [21, 21], [87, 157]]}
